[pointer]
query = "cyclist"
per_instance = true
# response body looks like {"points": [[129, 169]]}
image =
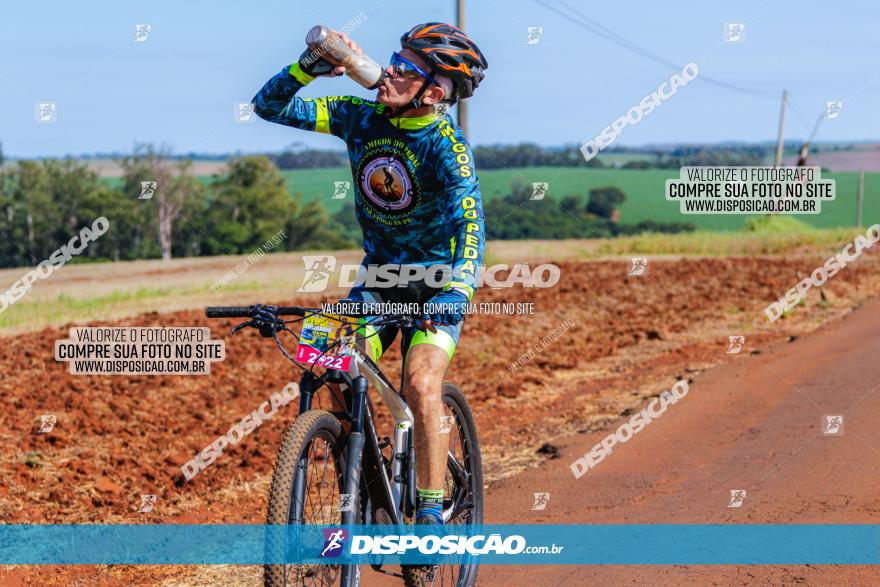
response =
{"points": [[417, 199]]}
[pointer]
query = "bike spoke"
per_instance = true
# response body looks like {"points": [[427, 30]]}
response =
{"points": [[317, 508]]}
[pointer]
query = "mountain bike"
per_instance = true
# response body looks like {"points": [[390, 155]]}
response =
{"points": [[328, 460]]}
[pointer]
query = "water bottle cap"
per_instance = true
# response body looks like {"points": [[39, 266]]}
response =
{"points": [[316, 35]]}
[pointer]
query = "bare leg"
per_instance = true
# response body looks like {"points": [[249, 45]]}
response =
{"points": [[425, 368]]}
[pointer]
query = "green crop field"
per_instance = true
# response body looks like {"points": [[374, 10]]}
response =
{"points": [[643, 188]]}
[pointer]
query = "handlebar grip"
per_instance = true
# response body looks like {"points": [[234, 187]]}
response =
{"points": [[228, 312]]}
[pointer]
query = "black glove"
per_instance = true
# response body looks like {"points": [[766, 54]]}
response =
{"points": [[315, 65], [450, 307]]}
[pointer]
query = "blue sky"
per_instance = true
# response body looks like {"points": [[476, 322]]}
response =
{"points": [[181, 85]]}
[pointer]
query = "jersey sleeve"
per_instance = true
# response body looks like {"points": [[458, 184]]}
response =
{"points": [[277, 102], [464, 208]]}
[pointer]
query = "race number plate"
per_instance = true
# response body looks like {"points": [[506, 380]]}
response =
{"points": [[326, 340]]}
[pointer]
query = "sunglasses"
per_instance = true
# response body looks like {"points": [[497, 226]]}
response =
{"points": [[406, 68]]}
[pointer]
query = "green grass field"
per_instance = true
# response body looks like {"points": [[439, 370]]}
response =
{"points": [[643, 188]]}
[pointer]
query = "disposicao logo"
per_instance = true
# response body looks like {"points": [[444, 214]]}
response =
{"points": [[334, 542]]}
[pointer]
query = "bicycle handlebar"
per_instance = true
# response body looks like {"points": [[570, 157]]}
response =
{"points": [[266, 317], [251, 312], [248, 311]]}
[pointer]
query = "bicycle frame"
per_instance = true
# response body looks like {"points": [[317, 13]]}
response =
{"points": [[396, 497], [404, 447]]}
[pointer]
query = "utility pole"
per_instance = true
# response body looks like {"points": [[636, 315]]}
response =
{"points": [[802, 156], [777, 161], [805, 149], [462, 104], [860, 198]]}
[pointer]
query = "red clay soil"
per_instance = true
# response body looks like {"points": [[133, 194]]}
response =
{"points": [[118, 437], [753, 424]]}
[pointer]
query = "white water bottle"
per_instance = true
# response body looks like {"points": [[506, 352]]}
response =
{"points": [[325, 41]]}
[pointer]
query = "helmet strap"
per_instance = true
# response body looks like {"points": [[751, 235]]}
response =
{"points": [[416, 102]]}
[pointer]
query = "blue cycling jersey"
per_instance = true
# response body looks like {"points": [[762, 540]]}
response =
{"points": [[417, 196]]}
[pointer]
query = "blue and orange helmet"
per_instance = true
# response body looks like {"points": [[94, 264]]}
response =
{"points": [[451, 53]]}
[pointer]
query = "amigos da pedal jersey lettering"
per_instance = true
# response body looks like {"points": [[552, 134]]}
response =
{"points": [[417, 196]]}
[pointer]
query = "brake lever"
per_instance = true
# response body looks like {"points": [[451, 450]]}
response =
{"points": [[265, 320], [238, 327]]}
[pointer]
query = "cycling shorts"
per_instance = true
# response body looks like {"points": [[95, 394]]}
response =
{"points": [[377, 340]]}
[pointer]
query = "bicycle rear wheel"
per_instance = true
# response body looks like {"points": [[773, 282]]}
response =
{"points": [[464, 493], [306, 485]]}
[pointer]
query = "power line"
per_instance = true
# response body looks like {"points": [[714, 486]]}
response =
{"points": [[815, 126], [601, 30], [799, 112]]}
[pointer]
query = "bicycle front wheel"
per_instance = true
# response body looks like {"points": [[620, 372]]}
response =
{"points": [[306, 485]]}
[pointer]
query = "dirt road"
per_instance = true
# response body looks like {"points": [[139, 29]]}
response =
{"points": [[753, 424]]}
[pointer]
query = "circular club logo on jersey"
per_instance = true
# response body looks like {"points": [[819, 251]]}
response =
{"points": [[387, 184]]}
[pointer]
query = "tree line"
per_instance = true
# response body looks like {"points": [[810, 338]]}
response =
{"points": [[742, 156], [489, 157], [160, 209], [157, 209], [531, 155]]}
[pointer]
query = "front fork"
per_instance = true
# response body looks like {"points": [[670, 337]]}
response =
{"points": [[355, 447], [309, 384]]}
